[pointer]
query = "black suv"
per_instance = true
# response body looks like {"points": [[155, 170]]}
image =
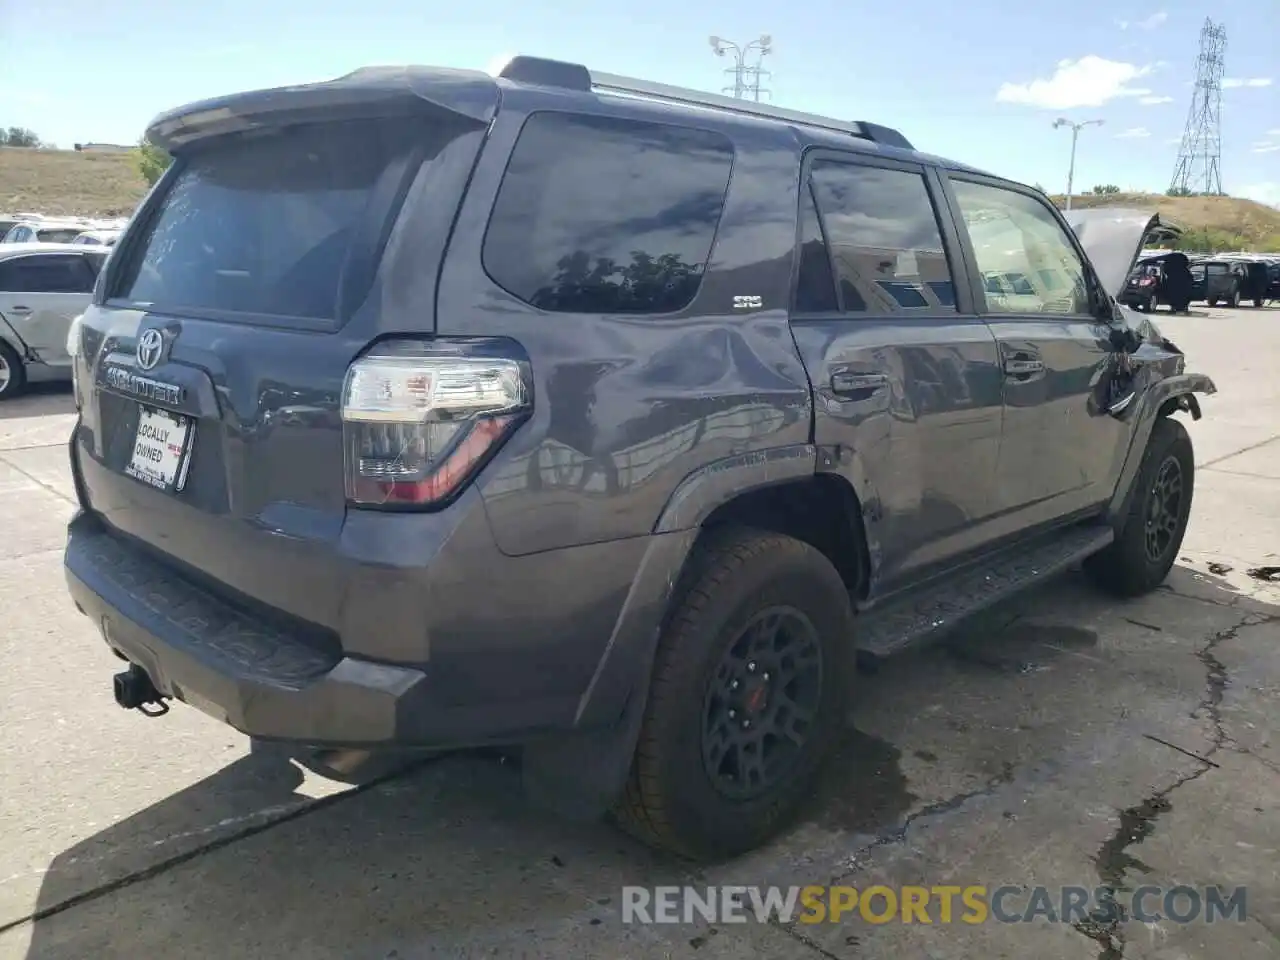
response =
{"points": [[615, 421]]}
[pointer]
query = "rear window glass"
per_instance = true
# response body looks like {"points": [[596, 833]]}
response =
{"points": [[264, 225], [603, 215], [58, 234]]}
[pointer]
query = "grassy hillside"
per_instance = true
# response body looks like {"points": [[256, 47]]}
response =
{"points": [[1213, 223], [66, 182]]}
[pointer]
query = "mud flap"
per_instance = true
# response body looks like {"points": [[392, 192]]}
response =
{"points": [[580, 775]]}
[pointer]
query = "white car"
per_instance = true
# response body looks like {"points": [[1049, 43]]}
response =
{"points": [[43, 288], [47, 230]]}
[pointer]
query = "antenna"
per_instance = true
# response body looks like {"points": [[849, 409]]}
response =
{"points": [[1199, 168]]}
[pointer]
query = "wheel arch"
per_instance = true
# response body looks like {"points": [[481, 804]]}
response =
{"points": [[1162, 399]]}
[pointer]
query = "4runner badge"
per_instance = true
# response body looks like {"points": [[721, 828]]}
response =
{"points": [[748, 303]]}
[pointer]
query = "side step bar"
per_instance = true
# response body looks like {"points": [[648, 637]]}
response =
{"points": [[920, 614]]}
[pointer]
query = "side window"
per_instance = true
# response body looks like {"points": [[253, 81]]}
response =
{"points": [[1024, 256], [602, 215], [48, 274], [884, 237], [815, 284]]}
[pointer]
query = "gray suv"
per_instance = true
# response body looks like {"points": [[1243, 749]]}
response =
{"points": [[618, 422]]}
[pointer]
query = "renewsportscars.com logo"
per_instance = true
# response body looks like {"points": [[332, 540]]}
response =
{"points": [[972, 904]]}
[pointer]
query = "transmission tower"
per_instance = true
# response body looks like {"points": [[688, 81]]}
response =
{"points": [[1199, 168], [746, 72]]}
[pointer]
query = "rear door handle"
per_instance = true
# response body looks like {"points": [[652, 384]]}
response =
{"points": [[16, 308], [1022, 367], [845, 382]]}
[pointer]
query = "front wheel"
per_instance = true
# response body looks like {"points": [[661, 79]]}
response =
{"points": [[747, 697], [1147, 543]]}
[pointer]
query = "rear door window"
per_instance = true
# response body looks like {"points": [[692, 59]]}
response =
{"points": [[884, 237], [605, 215], [264, 225], [67, 273]]}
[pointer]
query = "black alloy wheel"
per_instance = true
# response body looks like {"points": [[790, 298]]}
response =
{"points": [[1164, 509], [762, 703]]}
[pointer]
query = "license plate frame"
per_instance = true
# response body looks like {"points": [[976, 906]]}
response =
{"points": [[156, 458]]}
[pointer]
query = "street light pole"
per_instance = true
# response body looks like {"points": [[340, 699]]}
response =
{"points": [[1075, 136], [763, 46]]}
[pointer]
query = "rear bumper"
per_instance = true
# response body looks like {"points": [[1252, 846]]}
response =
{"points": [[285, 683]]}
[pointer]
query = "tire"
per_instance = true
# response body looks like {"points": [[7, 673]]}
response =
{"points": [[678, 797], [1127, 568], [13, 375]]}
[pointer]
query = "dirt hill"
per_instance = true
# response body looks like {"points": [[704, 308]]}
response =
{"points": [[67, 182], [1214, 223], [106, 184]]}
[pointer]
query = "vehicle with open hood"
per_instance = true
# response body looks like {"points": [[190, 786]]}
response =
{"points": [[615, 421]]}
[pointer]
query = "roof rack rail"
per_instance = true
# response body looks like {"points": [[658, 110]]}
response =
{"points": [[555, 73]]}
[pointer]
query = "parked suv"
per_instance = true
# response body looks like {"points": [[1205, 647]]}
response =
{"points": [[421, 408]]}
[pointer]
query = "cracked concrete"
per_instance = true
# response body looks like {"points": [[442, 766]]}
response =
{"points": [[1065, 739]]}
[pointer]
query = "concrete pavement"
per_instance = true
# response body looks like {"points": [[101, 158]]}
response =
{"points": [[1063, 740]]}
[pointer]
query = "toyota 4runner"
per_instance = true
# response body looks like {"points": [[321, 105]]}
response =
{"points": [[426, 409]]}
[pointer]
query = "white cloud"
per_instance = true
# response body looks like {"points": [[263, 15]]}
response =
{"points": [[1090, 81], [1152, 101], [1274, 133], [1268, 193], [1175, 140], [1134, 133], [1265, 147], [1231, 83]]}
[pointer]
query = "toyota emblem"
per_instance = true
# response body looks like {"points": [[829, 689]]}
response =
{"points": [[149, 346]]}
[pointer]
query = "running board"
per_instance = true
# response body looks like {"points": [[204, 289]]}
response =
{"points": [[918, 615]]}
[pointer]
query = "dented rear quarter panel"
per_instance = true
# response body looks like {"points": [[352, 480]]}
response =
{"points": [[626, 408]]}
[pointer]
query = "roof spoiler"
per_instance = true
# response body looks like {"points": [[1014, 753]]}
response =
{"points": [[575, 76], [367, 93]]}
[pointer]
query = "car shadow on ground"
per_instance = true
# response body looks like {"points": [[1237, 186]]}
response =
{"points": [[39, 400], [445, 858]]}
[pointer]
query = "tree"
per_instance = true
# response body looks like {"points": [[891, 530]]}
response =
{"points": [[1104, 189], [152, 161], [19, 137], [1178, 192]]}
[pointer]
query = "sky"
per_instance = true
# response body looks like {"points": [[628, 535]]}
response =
{"points": [[980, 82]]}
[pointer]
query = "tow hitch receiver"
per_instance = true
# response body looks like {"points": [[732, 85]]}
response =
{"points": [[134, 690]]}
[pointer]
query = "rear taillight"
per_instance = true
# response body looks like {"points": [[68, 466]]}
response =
{"points": [[419, 420]]}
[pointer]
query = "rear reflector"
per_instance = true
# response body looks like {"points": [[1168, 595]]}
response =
{"points": [[420, 419]]}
